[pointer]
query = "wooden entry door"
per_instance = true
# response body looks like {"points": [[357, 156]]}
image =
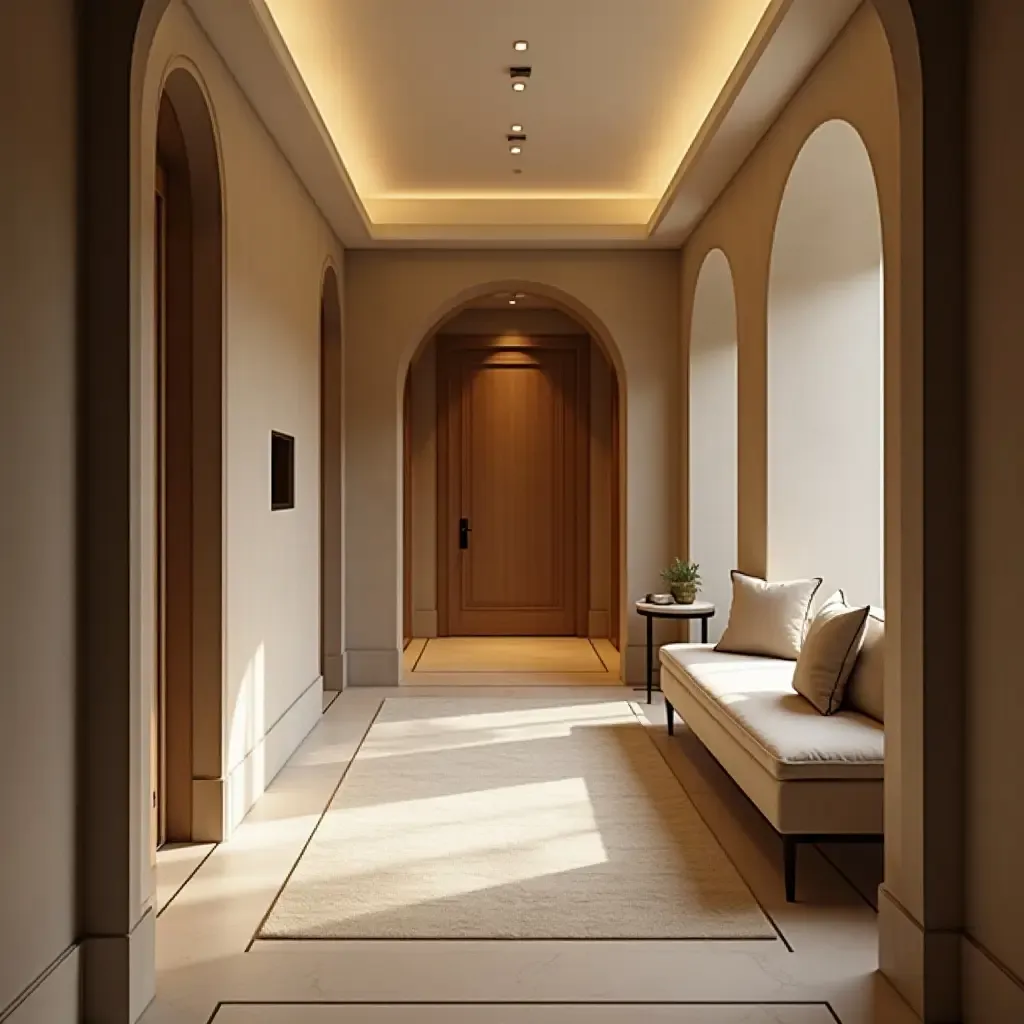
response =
{"points": [[512, 486]]}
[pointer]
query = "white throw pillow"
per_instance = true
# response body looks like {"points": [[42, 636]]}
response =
{"points": [[768, 619], [829, 653]]}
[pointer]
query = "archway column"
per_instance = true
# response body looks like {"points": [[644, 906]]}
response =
{"points": [[921, 902], [117, 926]]}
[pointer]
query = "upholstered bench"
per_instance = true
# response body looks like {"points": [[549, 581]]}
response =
{"points": [[815, 777]]}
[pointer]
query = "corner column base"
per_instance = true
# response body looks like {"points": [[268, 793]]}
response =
{"points": [[119, 974], [922, 965]]}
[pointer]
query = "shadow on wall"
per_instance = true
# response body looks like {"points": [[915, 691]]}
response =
{"points": [[825, 357]]}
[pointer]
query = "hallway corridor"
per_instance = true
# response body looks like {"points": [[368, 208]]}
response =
{"points": [[814, 965]]}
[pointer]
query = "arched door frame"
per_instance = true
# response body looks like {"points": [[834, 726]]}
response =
{"points": [[601, 336]]}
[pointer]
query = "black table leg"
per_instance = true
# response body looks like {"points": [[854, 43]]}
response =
{"points": [[650, 655], [704, 630]]}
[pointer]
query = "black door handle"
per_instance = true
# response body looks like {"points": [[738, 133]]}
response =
{"points": [[464, 531]]}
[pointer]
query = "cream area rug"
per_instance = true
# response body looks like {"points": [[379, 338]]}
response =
{"points": [[478, 818]]}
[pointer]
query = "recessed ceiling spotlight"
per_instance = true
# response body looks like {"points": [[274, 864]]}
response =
{"points": [[515, 150], [511, 302], [518, 85], [520, 45], [517, 127]]}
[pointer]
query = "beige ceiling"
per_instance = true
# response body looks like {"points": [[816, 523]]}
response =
{"points": [[416, 97], [638, 112]]}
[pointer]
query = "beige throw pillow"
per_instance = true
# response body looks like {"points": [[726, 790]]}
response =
{"points": [[865, 692], [769, 619], [830, 652]]}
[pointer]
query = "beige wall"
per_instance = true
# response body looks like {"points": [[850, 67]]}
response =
{"points": [[37, 514], [395, 300], [276, 247], [995, 696], [422, 375]]}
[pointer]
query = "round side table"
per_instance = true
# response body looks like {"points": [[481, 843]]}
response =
{"points": [[702, 610]]}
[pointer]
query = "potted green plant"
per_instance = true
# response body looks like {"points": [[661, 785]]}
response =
{"points": [[683, 579]]}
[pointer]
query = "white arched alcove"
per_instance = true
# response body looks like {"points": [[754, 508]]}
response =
{"points": [[825, 348], [713, 433]]}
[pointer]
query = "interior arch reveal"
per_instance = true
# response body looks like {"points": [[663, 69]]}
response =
{"points": [[713, 431], [188, 710], [825, 351]]}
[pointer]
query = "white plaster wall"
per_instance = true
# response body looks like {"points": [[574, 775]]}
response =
{"points": [[713, 491], [37, 514], [276, 246], [825, 371], [395, 300]]}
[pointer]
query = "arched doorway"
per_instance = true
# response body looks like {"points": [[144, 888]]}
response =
{"points": [[188, 292], [713, 442], [511, 487], [825, 357], [331, 451]]}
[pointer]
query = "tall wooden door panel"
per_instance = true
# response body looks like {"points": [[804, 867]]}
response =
{"points": [[511, 525]]}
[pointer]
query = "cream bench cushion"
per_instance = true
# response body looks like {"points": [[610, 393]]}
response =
{"points": [[753, 699]]}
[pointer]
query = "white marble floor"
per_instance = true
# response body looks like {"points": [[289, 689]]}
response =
{"points": [[822, 969]]}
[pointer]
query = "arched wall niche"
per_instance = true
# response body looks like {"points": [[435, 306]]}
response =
{"points": [[713, 419], [421, 578], [825, 371]]}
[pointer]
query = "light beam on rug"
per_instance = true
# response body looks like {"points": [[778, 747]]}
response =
{"points": [[512, 819]]}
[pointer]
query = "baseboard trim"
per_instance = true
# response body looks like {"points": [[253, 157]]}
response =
{"points": [[992, 992], [924, 966], [248, 780], [334, 672], [635, 665], [53, 997], [119, 974], [424, 623], [374, 667], [219, 805]]}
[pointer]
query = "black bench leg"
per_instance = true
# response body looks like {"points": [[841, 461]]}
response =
{"points": [[789, 845], [671, 712]]}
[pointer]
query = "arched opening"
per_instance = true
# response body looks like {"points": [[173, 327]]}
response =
{"points": [[331, 446], [825, 356], [511, 486], [189, 344], [713, 429]]}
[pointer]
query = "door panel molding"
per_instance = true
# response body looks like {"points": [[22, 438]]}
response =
{"points": [[566, 359]]}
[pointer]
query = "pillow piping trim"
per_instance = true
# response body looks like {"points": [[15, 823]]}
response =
{"points": [[858, 636], [817, 580]]}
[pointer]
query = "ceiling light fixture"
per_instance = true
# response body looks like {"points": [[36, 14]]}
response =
{"points": [[519, 295], [521, 45], [511, 302], [518, 85], [517, 127], [515, 150]]}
